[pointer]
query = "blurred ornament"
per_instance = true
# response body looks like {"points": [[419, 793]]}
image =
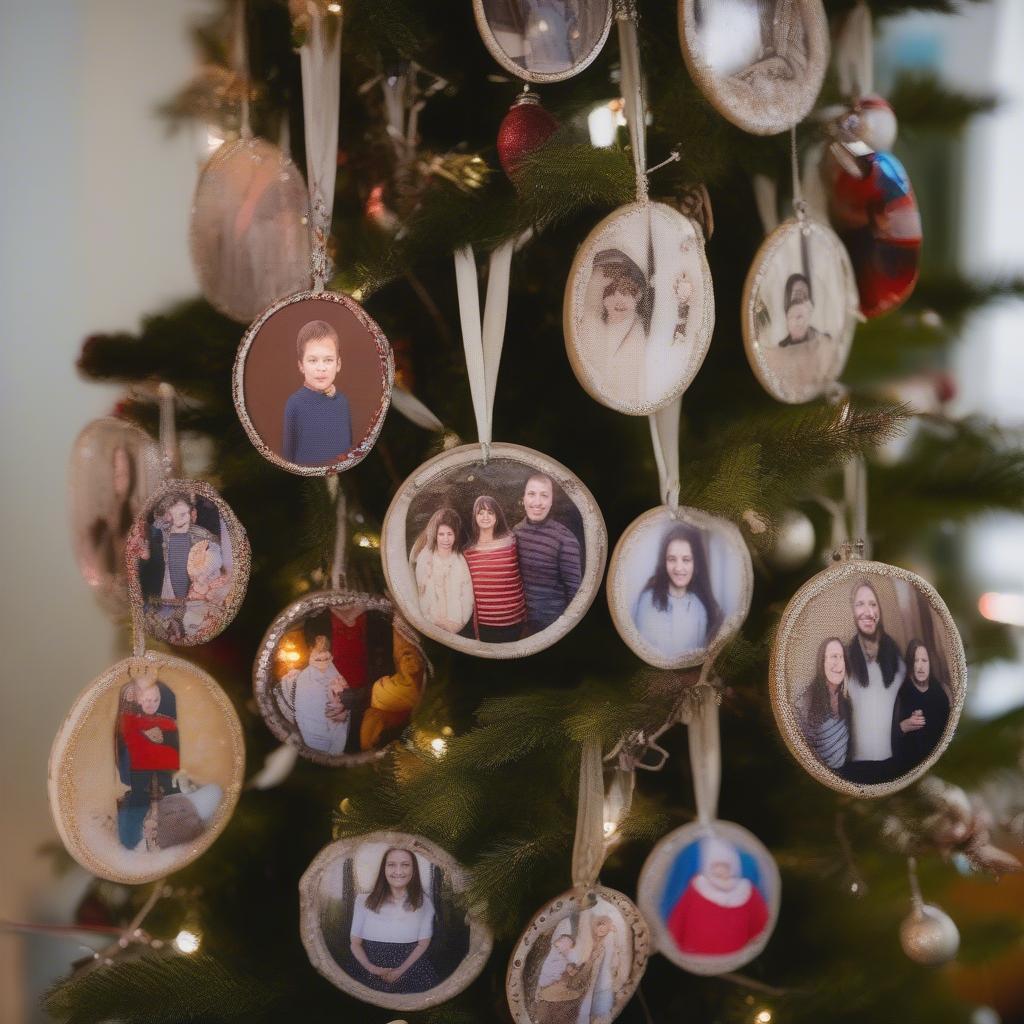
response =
{"points": [[872, 206], [250, 228], [794, 541], [405, 375], [525, 128], [929, 936]]}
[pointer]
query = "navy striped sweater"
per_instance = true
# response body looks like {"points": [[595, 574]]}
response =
{"points": [[551, 565]]}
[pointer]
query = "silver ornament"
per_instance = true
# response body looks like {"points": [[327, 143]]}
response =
{"points": [[929, 936], [794, 541]]}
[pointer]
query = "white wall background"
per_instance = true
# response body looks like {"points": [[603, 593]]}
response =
{"points": [[94, 200]]}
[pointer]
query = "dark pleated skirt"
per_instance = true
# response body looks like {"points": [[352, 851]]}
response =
{"points": [[419, 978]]}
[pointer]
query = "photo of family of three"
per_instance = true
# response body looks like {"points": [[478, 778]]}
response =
{"points": [[161, 806], [546, 37], [390, 919], [680, 585], [802, 312], [347, 678], [878, 699], [497, 552], [636, 330], [114, 469], [185, 568], [578, 972], [715, 897]]}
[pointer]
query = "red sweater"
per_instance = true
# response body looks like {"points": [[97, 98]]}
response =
{"points": [[144, 754], [702, 927], [497, 585]]}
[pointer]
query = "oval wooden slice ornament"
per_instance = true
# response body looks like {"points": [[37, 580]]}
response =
{"points": [[759, 63], [384, 917], [543, 40], [799, 311], [312, 383], [188, 561], [867, 677], [711, 895], [679, 586], [589, 945], [498, 558], [146, 770], [338, 675], [639, 308]]}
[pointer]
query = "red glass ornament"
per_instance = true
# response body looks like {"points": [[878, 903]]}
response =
{"points": [[526, 127]]}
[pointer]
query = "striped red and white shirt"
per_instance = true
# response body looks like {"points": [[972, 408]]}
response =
{"points": [[497, 585]]}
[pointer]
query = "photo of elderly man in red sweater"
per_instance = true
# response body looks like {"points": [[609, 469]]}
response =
{"points": [[550, 561]]}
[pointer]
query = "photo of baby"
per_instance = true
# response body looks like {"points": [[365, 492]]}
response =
{"points": [[639, 308], [800, 311], [543, 40], [313, 382], [679, 585], [115, 467], [873, 682], [384, 918], [339, 675], [761, 62], [150, 764], [185, 549]]}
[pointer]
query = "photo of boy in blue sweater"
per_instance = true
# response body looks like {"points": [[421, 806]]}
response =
{"points": [[317, 419]]}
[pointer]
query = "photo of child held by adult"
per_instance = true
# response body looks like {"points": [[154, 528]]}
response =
{"points": [[347, 679], [576, 972], [879, 698], [161, 807], [636, 327], [185, 568], [499, 555], [390, 920]]}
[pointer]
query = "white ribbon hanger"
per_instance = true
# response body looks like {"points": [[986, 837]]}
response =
{"points": [[665, 439], [855, 54]]}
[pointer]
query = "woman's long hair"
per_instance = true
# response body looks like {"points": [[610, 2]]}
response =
{"points": [[444, 516], [911, 654], [888, 652], [700, 583], [627, 277], [500, 522], [819, 707], [382, 888]]}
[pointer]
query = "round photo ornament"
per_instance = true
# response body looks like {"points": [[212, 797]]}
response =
{"points": [[146, 769], [498, 557], [338, 675], [115, 466], [312, 382], [867, 677], [679, 586], [759, 63], [187, 561], [587, 947], [639, 308], [799, 310], [384, 917], [543, 40]]}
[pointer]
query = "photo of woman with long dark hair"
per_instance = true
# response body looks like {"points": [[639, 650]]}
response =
{"points": [[677, 613], [391, 928], [443, 581], [824, 706], [499, 614], [922, 709]]}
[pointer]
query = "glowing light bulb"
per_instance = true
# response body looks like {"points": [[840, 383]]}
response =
{"points": [[186, 941], [609, 829], [603, 123], [1008, 608], [764, 1017], [334, 8], [439, 746]]}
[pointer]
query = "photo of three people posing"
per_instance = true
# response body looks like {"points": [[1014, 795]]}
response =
{"points": [[480, 578], [873, 711]]}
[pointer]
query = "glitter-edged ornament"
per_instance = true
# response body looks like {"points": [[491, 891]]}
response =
{"points": [[526, 127], [929, 936], [873, 207]]}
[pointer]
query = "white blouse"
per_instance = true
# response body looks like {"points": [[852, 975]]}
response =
{"points": [[392, 923], [871, 713], [680, 629]]}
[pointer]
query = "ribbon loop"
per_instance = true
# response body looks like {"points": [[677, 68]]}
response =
{"points": [[240, 65], [665, 439], [320, 58], [339, 561], [483, 339], [588, 846], [855, 55], [633, 92], [701, 717]]}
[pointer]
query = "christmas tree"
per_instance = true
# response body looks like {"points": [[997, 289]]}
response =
{"points": [[488, 768]]}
